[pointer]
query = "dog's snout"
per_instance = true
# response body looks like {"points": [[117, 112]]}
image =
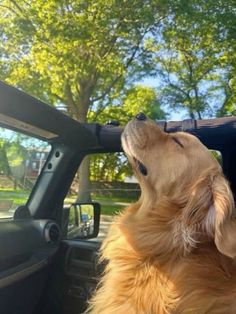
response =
{"points": [[141, 116]]}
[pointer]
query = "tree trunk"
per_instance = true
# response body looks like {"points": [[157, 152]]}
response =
{"points": [[79, 108], [192, 116], [84, 181], [84, 194], [199, 115]]}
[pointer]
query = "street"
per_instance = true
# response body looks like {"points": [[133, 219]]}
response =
{"points": [[105, 223]]}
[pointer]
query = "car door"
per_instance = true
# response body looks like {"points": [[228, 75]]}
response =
{"points": [[27, 245], [34, 179], [73, 278]]}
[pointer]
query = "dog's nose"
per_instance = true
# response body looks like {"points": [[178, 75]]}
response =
{"points": [[141, 116]]}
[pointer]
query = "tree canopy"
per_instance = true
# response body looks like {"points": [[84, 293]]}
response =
{"points": [[196, 57], [79, 53], [137, 98], [84, 54]]}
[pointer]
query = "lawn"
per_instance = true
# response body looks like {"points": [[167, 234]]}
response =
{"points": [[110, 209], [17, 196], [110, 205]]}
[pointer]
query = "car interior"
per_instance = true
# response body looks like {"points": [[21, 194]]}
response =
{"points": [[42, 269]]}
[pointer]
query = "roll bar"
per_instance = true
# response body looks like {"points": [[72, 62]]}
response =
{"points": [[212, 132], [22, 112]]}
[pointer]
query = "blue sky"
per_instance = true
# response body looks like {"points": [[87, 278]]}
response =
{"points": [[173, 115]]}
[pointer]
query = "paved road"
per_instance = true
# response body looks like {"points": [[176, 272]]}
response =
{"points": [[106, 220], [105, 223]]}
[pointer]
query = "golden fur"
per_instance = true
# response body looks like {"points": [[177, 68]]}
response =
{"points": [[173, 251]]}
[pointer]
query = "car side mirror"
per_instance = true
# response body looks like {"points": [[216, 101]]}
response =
{"points": [[83, 220]]}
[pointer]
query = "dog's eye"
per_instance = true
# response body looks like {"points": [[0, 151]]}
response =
{"points": [[177, 141], [141, 167]]}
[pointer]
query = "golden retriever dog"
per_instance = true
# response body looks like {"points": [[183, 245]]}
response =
{"points": [[173, 251]]}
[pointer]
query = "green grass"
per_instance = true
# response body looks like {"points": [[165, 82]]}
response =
{"points": [[18, 196], [111, 209], [109, 204]]}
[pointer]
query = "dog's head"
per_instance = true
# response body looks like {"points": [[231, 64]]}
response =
{"points": [[185, 198]]}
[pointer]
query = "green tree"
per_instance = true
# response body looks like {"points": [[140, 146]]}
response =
{"points": [[76, 53], [141, 98], [190, 77], [138, 98], [196, 62], [12, 157], [109, 167], [4, 165]]}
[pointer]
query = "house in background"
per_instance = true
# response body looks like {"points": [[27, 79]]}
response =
{"points": [[35, 161]]}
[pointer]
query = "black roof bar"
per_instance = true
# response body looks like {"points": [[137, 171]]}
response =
{"points": [[212, 132], [22, 112]]}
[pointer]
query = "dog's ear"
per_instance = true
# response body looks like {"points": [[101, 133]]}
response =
{"points": [[221, 217], [195, 213]]}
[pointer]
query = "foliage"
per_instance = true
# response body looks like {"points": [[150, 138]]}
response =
{"points": [[83, 54], [15, 150], [196, 62], [76, 53], [12, 155], [79, 53], [4, 165], [144, 99], [109, 167], [137, 98]]}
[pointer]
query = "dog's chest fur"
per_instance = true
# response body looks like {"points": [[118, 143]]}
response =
{"points": [[133, 285]]}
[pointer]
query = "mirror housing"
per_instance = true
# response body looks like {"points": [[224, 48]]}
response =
{"points": [[81, 220]]}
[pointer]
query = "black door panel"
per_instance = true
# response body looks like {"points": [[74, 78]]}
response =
{"points": [[23, 296], [27, 248], [81, 274], [81, 259], [74, 277]]}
